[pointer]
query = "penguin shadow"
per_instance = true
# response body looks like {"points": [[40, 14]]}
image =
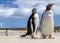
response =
{"points": [[28, 38], [35, 38]]}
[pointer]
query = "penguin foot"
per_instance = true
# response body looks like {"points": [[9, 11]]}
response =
{"points": [[23, 35], [32, 36], [50, 37], [44, 36]]}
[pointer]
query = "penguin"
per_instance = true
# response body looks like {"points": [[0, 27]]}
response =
{"points": [[47, 22], [32, 24]]}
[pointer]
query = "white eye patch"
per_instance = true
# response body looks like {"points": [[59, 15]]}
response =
{"points": [[52, 7]]}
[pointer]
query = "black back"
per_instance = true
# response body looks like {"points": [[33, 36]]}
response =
{"points": [[29, 25]]}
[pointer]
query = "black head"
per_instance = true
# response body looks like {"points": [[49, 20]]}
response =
{"points": [[49, 6], [34, 10]]}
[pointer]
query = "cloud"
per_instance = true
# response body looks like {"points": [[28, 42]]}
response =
{"points": [[24, 12], [10, 12], [8, 3], [7, 12], [25, 5]]}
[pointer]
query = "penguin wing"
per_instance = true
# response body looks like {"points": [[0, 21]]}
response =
{"points": [[41, 19]]}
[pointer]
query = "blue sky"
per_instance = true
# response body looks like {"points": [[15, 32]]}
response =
{"points": [[15, 13]]}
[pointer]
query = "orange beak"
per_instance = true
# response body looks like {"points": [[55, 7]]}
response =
{"points": [[50, 5]]}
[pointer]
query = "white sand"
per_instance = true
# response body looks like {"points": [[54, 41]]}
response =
{"points": [[14, 37]]}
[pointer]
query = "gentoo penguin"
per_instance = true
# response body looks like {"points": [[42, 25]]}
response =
{"points": [[47, 22], [32, 24]]}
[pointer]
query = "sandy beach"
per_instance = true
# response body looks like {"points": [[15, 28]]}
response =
{"points": [[14, 37]]}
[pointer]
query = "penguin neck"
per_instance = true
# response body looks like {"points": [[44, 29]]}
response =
{"points": [[33, 14], [48, 9]]}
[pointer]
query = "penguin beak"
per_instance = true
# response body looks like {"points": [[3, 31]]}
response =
{"points": [[50, 5]]}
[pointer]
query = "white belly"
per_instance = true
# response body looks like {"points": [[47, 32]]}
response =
{"points": [[47, 26]]}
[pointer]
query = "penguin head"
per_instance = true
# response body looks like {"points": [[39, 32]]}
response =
{"points": [[49, 6], [34, 11]]}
